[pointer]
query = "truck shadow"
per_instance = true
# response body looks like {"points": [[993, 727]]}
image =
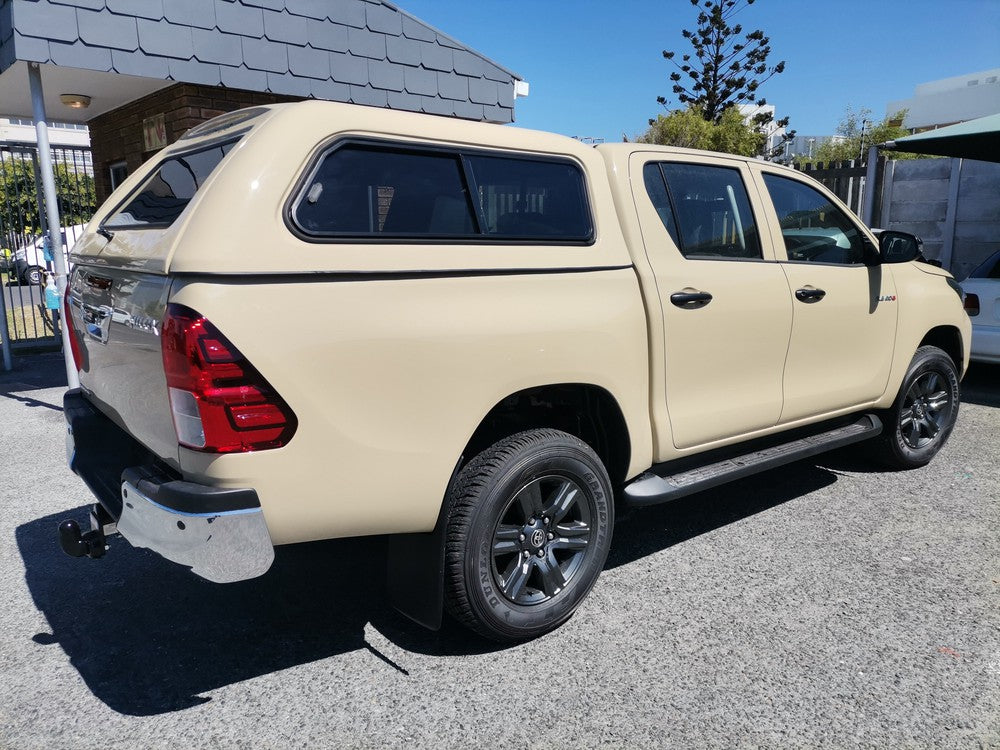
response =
{"points": [[645, 531], [148, 638]]}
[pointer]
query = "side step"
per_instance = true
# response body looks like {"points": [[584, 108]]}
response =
{"points": [[659, 486]]}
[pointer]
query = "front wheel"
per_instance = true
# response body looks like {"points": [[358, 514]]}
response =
{"points": [[924, 413], [528, 533], [33, 275]]}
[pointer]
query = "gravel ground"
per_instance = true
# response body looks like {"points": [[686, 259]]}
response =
{"points": [[825, 604]]}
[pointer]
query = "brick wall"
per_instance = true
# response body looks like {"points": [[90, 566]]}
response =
{"points": [[116, 136]]}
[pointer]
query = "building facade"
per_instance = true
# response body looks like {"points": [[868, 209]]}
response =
{"points": [[949, 100], [133, 69]]}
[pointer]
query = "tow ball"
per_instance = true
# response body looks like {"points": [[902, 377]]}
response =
{"points": [[92, 544]]}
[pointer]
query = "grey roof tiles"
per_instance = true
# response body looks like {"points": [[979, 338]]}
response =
{"points": [[364, 51]]}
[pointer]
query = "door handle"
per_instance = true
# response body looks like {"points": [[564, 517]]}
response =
{"points": [[690, 300], [808, 294]]}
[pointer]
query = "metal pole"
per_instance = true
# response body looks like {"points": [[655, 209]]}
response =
{"points": [[51, 210], [868, 209]]}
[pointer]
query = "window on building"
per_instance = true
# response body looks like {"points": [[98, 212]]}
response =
{"points": [[117, 173]]}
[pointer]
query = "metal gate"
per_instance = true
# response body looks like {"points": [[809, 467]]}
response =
{"points": [[25, 321]]}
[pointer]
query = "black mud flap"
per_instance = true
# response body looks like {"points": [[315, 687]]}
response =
{"points": [[415, 570]]}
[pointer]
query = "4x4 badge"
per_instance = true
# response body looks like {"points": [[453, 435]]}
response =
{"points": [[887, 298]]}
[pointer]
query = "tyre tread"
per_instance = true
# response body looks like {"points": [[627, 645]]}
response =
{"points": [[463, 498]]}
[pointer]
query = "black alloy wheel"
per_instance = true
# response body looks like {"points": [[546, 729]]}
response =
{"points": [[541, 540], [926, 409], [924, 413]]}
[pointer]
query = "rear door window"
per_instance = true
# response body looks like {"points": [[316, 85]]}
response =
{"points": [[167, 192], [705, 209]]}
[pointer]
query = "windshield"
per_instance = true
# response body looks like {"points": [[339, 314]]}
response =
{"points": [[167, 192]]}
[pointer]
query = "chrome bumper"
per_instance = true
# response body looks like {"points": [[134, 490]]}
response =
{"points": [[222, 546]]}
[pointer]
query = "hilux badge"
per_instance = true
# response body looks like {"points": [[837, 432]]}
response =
{"points": [[887, 298]]}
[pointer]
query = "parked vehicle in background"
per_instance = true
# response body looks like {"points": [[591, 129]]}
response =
{"points": [[982, 302], [29, 261], [318, 320]]}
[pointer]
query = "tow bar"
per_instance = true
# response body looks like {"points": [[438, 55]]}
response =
{"points": [[92, 543]]}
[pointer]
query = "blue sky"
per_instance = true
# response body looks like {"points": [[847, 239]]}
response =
{"points": [[595, 67]]}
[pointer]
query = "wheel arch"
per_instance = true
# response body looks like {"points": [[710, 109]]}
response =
{"points": [[415, 562], [586, 411], [949, 339]]}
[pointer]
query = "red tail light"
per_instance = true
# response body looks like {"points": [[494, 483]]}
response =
{"points": [[74, 344], [972, 304], [219, 402]]}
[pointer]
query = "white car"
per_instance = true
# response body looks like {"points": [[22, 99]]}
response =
{"points": [[982, 302], [29, 261]]}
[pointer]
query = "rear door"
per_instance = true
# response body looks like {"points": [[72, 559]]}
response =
{"points": [[844, 311], [723, 298]]}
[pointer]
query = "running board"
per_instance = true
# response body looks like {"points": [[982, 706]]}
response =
{"points": [[652, 487]]}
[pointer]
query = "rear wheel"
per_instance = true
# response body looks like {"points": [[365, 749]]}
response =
{"points": [[528, 534], [921, 419]]}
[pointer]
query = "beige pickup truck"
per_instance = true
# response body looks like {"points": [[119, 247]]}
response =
{"points": [[318, 320]]}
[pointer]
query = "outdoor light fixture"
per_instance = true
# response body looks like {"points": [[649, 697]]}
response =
{"points": [[75, 101]]}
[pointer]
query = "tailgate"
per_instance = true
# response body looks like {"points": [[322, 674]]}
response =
{"points": [[116, 318]]}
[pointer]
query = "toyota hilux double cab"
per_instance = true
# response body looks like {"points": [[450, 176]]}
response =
{"points": [[319, 320]]}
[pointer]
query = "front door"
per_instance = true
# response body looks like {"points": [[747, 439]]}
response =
{"points": [[844, 319], [726, 316]]}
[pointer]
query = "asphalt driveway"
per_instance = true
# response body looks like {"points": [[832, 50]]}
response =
{"points": [[824, 604]]}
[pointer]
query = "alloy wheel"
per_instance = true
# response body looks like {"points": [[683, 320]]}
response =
{"points": [[926, 409], [541, 540]]}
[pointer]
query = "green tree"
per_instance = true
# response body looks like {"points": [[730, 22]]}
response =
{"points": [[728, 68], [688, 128], [19, 200], [859, 133]]}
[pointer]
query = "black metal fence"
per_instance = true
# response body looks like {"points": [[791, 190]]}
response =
{"points": [[25, 321], [847, 180]]}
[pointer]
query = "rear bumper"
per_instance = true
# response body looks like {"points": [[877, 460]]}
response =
{"points": [[220, 533]]}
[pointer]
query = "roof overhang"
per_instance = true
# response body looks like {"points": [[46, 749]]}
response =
{"points": [[107, 91], [359, 51]]}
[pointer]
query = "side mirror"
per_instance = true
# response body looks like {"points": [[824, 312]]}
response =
{"points": [[899, 247]]}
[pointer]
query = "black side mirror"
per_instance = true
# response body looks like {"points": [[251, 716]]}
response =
{"points": [[899, 247]]}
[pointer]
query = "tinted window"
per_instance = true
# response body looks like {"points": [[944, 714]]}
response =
{"points": [[377, 191], [707, 210], [990, 269], [813, 228], [657, 190], [166, 193], [524, 198], [359, 190]]}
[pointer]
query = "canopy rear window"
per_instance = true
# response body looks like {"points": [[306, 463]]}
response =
{"points": [[169, 189]]}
